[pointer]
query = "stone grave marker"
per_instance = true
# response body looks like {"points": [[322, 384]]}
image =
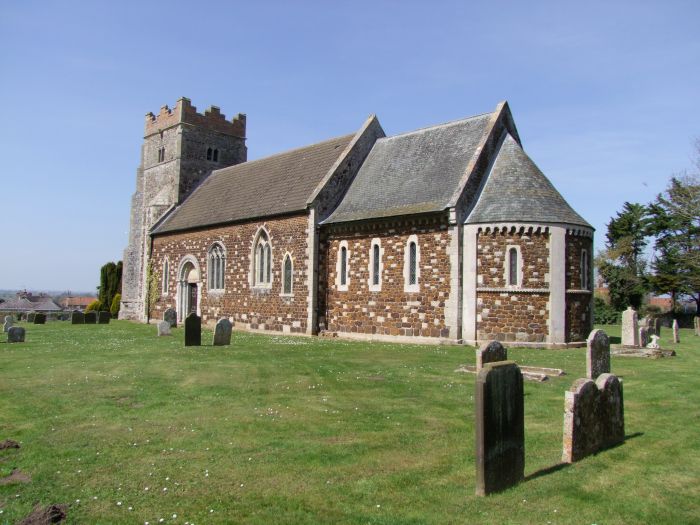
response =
{"points": [[696, 325], [644, 336], [8, 323], [222, 332], [490, 352], [90, 317], [163, 328], [630, 330], [193, 330], [30, 317], [77, 317], [597, 354], [15, 335], [170, 315], [654, 344], [40, 319], [500, 427], [103, 317], [657, 326], [676, 337], [593, 417]]}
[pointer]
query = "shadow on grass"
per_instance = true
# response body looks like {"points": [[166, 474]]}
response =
{"points": [[562, 466]]}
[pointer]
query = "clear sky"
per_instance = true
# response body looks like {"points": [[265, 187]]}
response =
{"points": [[606, 97]]}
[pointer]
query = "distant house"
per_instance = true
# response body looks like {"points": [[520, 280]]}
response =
{"points": [[76, 303], [25, 302]]}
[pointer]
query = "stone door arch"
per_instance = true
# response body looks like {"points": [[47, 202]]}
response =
{"points": [[189, 289]]}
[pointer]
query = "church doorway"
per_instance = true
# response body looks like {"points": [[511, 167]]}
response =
{"points": [[188, 290]]}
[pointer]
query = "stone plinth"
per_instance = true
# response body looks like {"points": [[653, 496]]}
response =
{"points": [[500, 427]]}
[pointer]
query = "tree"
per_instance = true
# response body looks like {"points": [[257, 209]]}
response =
{"points": [[116, 305], [152, 290], [622, 265], [110, 282]]}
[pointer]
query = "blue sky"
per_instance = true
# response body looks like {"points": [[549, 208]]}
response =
{"points": [[604, 94]]}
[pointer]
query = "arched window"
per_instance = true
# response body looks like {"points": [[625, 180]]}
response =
{"points": [[375, 266], [263, 260], [209, 153], [216, 267], [287, 278], [412, 253], [584, 270], [411, 268], [215, 157], [513, 267], [344, 266], [166, 275]]}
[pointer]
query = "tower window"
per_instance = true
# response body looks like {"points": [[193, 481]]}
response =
{"points": [[209, 153], [215, 157], [513, 267], [161, 154]]}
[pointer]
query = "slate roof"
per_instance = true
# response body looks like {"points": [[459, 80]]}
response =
{"points": [[516, 190], [273, 185], [415, 172], [23, 304]]}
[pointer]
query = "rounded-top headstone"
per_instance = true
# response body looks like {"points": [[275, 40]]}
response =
{"points": [[597, 354], [222, 332], [15, 335], [163, 328], [490, 352], [170, 316], [193, 330]]}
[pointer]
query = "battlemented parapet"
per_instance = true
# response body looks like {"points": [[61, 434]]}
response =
{"points": [[185, 112]]}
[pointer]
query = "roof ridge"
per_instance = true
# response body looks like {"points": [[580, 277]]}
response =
{"points": [[435, 126], [285, 152]]}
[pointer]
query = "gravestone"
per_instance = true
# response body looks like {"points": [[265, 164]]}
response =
{"points": [[163, 328], [597, 354], [676, 337], [654, 344], [500, 427], [657, 326], [222, 332], [644, 335], [8, 323], [696, 325], [593, 417], [170, 315], [30, 317], [193, 330], [490, 352], [77, 317], [103, 317], [630, 330], [15, 335], [40, 319], [90, 317]]}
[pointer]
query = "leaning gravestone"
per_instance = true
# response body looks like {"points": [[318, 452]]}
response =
{"points": [[8, 323], [170, 315], [644, 335], [77, 317], [222, 332], [40, 319], [103, 317], [597, 354], [490, 352], [593, 417], [163, 328], [630, 330], [30, 317], [500, 427], [90, 317], [676, 337], [15, 335], [193, 330]]}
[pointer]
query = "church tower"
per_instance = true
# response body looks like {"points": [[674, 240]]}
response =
{"points": [[180, 149]]}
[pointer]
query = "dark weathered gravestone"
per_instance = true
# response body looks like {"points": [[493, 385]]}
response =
{"points": [[170, 315], [8, 323], [500, 427], [103, 317], [77, 317], [490, 352], [90, 317], [597, 354], [163, 328], [193, 330], [40, 318], [30, 317], [15, 335], [657, 326], [644, 336], [222, 332], [594, 417]]}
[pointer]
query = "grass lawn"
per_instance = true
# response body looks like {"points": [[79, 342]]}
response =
{"points": [[126, 427]]}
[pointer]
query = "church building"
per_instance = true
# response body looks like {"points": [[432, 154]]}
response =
{"points": [[449, 233]]}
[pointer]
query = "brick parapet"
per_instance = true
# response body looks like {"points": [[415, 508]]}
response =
{"points": [[185, 112]]}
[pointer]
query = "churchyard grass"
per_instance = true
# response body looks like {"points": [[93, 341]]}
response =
{"points": [[126, 427]]}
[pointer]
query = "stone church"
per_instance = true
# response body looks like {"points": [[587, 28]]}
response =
{"points": [[449, 233]]}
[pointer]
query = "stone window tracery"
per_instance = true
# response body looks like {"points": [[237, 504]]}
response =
{"points": [[216, 266], [513, 275], [263, 260]]}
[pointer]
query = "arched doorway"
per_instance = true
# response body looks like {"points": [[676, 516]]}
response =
{"points": [[188, 288]]}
